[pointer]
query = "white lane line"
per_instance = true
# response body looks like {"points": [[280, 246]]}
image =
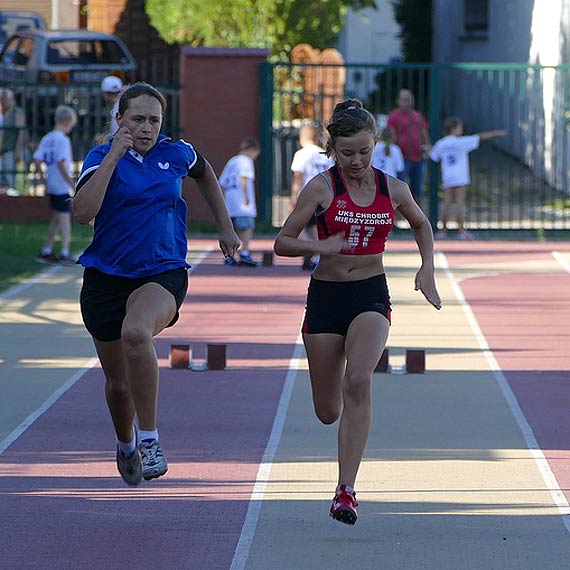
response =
{"points": [[558, 256], [241, 553], [26, 283], [20, 429], [541, 461]]}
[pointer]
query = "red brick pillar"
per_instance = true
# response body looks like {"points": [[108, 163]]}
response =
{"points": [[219, 107]]}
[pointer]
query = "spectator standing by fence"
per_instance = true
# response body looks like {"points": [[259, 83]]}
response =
{"points": [[111, 87], [387, 155], [55, 152], [411, 135], [237, 181], [308, 161], [452, 151], [11, 141]]}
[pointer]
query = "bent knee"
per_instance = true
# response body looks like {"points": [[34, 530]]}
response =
{"points": [[133, 337], [327, 414], [356, 386]]}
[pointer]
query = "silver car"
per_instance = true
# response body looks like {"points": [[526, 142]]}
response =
{"points": [[50, 67], [65, 56]]}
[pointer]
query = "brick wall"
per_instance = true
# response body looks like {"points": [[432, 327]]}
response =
{"points": [[219, 106], [24, 209]]}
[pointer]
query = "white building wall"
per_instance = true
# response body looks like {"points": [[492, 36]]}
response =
{"points": [[371, 36]]}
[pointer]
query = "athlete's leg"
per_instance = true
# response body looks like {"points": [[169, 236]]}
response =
{"points": [[149, 310], [325, 353], [365, 342], [117, 390]]}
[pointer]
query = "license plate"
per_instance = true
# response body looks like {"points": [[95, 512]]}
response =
{"points": [[88, 75]]}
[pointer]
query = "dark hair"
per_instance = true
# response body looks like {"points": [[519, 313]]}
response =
{"points": [[450, 124], [137, 90], [348, 119], [387, 137], [246, 144]]}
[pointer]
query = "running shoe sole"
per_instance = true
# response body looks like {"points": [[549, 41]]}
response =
{"points": [[345, 516], [154, 473]]}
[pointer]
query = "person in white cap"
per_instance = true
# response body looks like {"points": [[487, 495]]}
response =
{"points": [[111, 87]]}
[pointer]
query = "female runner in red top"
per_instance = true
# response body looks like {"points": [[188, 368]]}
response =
{"points": [[347, 318]]}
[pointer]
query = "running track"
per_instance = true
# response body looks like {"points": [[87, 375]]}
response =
{"points": [[64, 506]]}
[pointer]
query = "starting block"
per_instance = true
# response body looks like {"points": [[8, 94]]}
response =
{"points": [[267, 259], [180, 357], [415, 363]]}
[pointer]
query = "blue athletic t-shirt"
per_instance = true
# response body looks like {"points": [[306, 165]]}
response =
{"points": [[140, 229]]}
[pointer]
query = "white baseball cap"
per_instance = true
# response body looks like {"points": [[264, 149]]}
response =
{"points": [[111, 84]]}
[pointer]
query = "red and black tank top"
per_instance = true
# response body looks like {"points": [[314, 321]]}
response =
{"points": [[365, 227]]}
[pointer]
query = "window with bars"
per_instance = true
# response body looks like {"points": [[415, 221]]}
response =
{"points": [[476, 17]]}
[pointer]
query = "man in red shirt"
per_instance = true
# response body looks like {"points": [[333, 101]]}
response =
{"points": [[411, 135]]}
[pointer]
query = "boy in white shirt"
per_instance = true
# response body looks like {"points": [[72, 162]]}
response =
{"points": [[236, 181], [387, 156], [55, 152], [309, 161], [453, 153]]}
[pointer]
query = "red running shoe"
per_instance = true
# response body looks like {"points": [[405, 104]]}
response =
{"points": [[343, 508]]}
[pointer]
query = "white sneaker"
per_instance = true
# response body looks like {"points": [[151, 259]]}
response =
{"points": [[154, 463]]}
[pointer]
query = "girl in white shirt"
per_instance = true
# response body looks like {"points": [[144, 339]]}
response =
{"points": [[387, 155], [452, 151]]}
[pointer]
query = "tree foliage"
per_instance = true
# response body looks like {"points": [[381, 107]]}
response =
{"points": [[278, 25], [414, 17]]}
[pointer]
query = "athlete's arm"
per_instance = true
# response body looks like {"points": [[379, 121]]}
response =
{"points": [[315, 195], [403, 201], [87, 203]]}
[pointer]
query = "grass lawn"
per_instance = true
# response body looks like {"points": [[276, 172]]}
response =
{"points": [[20, 243]]}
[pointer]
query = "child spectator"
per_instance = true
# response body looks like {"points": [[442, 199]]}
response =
{"points": [[387, 155], [236, 181], [55, 151], [452, 151], [308, 162]]}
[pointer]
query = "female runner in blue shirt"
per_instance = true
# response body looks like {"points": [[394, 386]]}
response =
{"points": [[347, 317], [135, 277]]}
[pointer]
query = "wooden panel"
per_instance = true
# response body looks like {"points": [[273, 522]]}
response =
{"points": [[42, 7], [105, 14]]}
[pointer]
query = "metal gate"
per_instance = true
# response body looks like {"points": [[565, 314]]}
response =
{"points": [[39, 101], [519, 182]]}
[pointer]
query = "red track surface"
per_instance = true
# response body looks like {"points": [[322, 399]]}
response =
{"points": [[525, 319], [63, 504]]}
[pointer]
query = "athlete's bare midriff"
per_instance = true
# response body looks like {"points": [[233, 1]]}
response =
{"points": [[342, 267]]}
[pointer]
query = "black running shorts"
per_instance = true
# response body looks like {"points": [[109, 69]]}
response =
{"points": [[333, 305], [104, 297]]}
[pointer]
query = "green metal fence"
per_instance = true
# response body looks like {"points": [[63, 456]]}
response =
{"points": [[39, 101], [518, 182]]}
